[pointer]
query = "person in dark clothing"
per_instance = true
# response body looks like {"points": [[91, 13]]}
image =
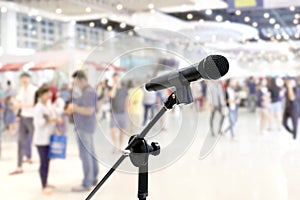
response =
{"points": [[292, 107], [276, 103], [251, 94]]}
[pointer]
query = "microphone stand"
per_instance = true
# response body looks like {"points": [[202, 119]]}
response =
{"points": [[138, 150]]}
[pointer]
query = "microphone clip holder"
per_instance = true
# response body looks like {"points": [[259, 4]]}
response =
{"points": [[182, 88]]}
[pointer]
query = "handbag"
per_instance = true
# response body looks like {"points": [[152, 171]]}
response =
{"points": [[58, 146]]}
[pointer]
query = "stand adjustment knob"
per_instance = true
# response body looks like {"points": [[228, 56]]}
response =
{"points": [[155, 149]]}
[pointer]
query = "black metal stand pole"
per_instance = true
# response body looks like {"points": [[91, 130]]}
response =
{"points": [[98, 186], [143, 182]]}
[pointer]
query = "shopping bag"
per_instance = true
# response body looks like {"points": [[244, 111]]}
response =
{"points": [[58, 146]]}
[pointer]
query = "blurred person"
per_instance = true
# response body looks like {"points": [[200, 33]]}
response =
{"points": [[58, 107], [135, 105], [161, 96], [25, 102], [44, 122], [2, 108], [197, 94], [232, 103], [292, 107], [9, 116], [119, 98], [216, 101], [83, 109], [1, 90], [276, 103], [263, 103], [9, 89], [103, 99], [149, 101], [251, 94], [65, 93]]}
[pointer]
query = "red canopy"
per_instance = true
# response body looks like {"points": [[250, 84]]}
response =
{"points": [[47, 65], [105, 66], [12, 66]]}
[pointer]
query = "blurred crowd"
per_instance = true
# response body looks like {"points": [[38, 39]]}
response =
{"points": [[32, 114], [277, 99]]}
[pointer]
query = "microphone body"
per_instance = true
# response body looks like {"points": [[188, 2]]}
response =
{"points": [[211, 68]]}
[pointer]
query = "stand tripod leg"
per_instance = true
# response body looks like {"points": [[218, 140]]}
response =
{"points": [[143, 182]]}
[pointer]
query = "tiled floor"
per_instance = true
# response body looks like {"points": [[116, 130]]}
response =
{"points": [[255, 167]]}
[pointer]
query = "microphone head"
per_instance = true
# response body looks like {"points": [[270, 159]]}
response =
{"points": [[213, 67]]}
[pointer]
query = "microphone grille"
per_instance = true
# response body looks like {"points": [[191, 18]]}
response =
{"points": [[215, 66]]}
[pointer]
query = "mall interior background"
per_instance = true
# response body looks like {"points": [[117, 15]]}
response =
{"points": [[260, 38]]}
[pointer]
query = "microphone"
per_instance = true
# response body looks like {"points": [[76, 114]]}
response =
{"points": [[212, 67]]}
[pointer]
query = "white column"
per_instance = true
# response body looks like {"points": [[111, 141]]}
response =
{"points": [[9, 31], [69, 32]]}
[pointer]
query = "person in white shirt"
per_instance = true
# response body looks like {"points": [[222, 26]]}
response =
{"points": [[25, 103], [44, 121]]}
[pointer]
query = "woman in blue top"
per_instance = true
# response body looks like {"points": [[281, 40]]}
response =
{"points": [[9, 115]]}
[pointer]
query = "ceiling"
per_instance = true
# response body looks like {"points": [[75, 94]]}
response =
{"points": [[273, 24]]}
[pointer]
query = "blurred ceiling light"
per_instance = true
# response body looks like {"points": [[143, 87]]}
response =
{"points": [[208, 12], [109, 28], [272, 21], [189, 16], [38, 18], [277, 26], [219, 18], [92, 24], [298, 27], [150, 5], [3, 9], [254, 24], [295, 21], [119, 6], [278, 37], [123, 25], [201, 20], [238, 12], [33, 32], [297, 16], [286, 37], [297, 35], [104, 21], [292, 8], [130, 33], [88, 9], [82, 37], [152, 11], [266, 15], [247, 19], [58, 10]]}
